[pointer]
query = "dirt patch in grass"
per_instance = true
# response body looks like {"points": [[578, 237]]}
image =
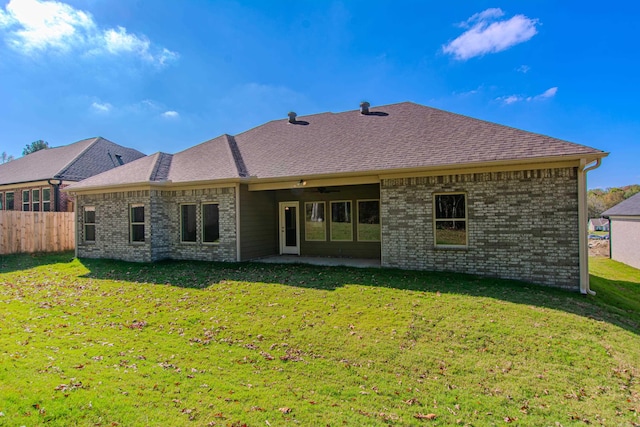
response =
{"points": [[599, 248]]}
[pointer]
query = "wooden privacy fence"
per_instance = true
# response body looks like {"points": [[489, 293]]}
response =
{"points": [[29, 232]]}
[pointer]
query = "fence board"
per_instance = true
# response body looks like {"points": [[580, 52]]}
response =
{"points": [[29, 232]]}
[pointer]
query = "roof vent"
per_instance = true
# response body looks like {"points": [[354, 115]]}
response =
{"points": [[364, 107], [292, 117]]}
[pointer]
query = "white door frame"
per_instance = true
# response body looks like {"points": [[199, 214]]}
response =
{"points": [[284, 249]]}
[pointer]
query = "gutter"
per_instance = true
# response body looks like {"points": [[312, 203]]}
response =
{"points": [[582, 224]]}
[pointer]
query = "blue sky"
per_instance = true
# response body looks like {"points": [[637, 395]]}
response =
{"points": [[162, 75]]}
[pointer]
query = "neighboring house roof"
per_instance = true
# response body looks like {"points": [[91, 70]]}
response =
{"points": [[73, 162], [629, 207], [599, 222], [392, 137]]}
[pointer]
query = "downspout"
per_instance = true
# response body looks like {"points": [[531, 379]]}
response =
{"points": [[56, 193], [610, 244], [582, 224], [75, 222], [238, 246]]}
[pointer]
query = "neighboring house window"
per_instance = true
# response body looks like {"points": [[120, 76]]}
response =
{"points": [[210, 223], [1, 201], [369, 220], [450, 219], [46, 199], [136, 221], [314, 225], [35, 200], [188, 221], [25, 200], [89, 224], [9, 201], [341, 225]]}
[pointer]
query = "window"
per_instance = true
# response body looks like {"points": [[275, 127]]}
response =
{"points": [[450, 219], [369, 220], [1, 201], [46, 199], [314, 225], [89, 215], [188, 222], [137, 223], [210, 223], [35, 200], [341, 227], [25, 200], [9, 201]]}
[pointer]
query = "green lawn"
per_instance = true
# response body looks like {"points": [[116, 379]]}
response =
{"points": [[105, 343]]}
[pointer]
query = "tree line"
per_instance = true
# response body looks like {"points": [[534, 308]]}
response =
{"points": [[28, 149], [599, 200]]}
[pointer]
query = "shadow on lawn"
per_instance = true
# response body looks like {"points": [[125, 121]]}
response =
{"points": [[18, 262], [199, 275]]}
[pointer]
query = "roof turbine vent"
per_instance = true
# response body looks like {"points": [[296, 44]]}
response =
{"points": [[292, 117], [364, 107]]}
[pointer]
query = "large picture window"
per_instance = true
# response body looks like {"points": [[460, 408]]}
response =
{"points": [[369, 220], [450, 219], [46, 199], [89, 214], [25, 200], [188, 221], [341, 222], [314, 225], [9, 201], [136, 221], [35, 200], [210, 223]]}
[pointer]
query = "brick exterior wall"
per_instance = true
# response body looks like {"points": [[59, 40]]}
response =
{"points": [[162, 225], [521, 225]]}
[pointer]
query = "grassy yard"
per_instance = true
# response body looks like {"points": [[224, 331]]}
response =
{"points": [[105, 343]]}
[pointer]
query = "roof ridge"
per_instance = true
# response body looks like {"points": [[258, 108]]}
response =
{"points": [[76, 158], [237, 156], [160, 169]]}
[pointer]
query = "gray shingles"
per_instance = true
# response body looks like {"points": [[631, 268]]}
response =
{"points": [[72, 162], [393, 137], [630, 207]]}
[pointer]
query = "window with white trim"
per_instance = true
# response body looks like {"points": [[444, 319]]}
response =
{"points": [[26, 205], [314, 221], [1, 201], [341, 221], [46, 199], [369, 220], [35, 200], [136, 223], [188, 223], [210, 223], [89, 218], [450, 219]]}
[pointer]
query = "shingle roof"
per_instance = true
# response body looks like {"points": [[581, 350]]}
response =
{"points": [[72, 162], [599, 222], [391, 137], [629, 207], [211, 160], [397, 136]]}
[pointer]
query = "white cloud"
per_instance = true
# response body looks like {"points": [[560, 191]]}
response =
{"points": [[35, 25], [170, 115], [512, 99], [101, 107], [524, 69], [549, 93], [487, 34]]}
